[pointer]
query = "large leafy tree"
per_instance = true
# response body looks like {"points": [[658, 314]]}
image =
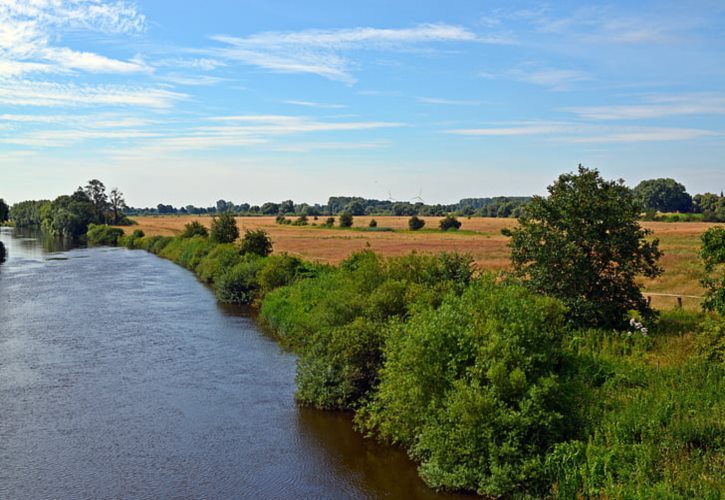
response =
{"points": [[116, 204], [583, 245], [665, 195], [4, 211], [224, 228], [96, 192]]}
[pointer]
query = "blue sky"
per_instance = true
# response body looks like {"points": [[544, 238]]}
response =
{"points": [[189, 102]]}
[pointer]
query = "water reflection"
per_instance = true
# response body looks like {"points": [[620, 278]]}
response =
{"points": [[122, 377], [32, 243]]}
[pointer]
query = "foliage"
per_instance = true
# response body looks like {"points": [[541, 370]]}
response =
{"points": [[256, 242], [224, 229], [583, 245], [239, 284], [415, 223], [329, 222], [194, 228], [712, 253], [28, 213], [471, 389], [3, 252], [664, 195], [449, 223], [103, 234], [300, 221], [4, 211], [345, 219], [373, 223], [281, 270], [710, 342], [187, 252]]}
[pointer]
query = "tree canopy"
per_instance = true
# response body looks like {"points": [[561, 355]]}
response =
{"points": [[664, 195], [583, 245]]}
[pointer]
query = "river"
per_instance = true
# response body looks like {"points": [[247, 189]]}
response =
{"points": [[122, 377]]}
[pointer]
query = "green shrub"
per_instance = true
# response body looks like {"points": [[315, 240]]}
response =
{"points": [[710, 342], [449, 223], [187, 252], [300, 221], [415, 223], [329, 222], [218, 261], [3, 253], [713, 256], [471, 389], [194, 228], [102, 234], [280, 270], [137, 233], [373, 223], [256, 242], [224, 229], [239, 285], [345, 219]]}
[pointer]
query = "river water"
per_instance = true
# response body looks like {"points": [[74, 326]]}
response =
{"points": [[122, 377]]}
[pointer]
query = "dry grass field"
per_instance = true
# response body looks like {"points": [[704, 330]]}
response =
{"points": [[481, 237]]}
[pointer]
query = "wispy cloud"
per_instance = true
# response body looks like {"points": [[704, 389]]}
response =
{"points": [[312, 104], [581, 133], [656, 106], [449, 102], [32, 93], [553, 78], [323, 52]]}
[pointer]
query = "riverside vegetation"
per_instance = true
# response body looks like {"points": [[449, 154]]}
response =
{"points": [[498, 384]]}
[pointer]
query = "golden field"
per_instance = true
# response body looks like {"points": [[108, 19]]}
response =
{"points": [[480, 237]]}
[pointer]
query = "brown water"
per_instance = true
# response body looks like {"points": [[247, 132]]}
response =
{"points": [[122, 377]]}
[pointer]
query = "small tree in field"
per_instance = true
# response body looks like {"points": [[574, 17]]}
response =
{"points": [[415, 223], [450, 223], [583, 245], [345, 219], [256, 242], [224, 229], [373, 223]]}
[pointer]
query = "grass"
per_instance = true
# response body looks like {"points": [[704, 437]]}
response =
{"points": [[481, 237]]}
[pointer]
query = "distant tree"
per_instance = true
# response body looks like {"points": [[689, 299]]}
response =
{"points": [[584, 245], [355, 208], [96, 192], [329, 222], [665, 195], [345, 219], [256, 242], [270, 208], [415, 223], [450, 223], [224, 206], [4, 211], [287, 207], [373, 223], [224, 228], [194, 228], [117, 205]]}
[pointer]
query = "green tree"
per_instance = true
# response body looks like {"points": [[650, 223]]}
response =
{"points": [[583, 245], [224, 228], [287, 207], [373, 223], [96, 192], [117, 204], [256, 242], [665, 195], [415, 223], [2, 252], [450, 223], [712, 253], [4, 211], [345, 219]]}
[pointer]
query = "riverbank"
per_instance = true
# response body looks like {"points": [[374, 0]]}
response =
{"points": [[506, 401], [480, 237]]}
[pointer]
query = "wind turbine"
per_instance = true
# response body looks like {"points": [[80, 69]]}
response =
{"points": [[419, 197]]}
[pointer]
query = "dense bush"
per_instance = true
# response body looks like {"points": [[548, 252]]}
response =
{"points": [[224, 229], [103, 234], [449, 223], [415, 223], [187, 252], [239, 285], [256, 242], [345, 219], [329, 222], [712, 253], [471, 389], [3, 253], [217, 262], [194, 228], [373, 223]]}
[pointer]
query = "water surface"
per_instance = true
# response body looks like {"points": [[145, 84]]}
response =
{"points": [[122, 377]]}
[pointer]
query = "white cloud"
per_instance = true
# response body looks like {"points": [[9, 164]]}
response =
{"points": [[645, 134], [516, 130], [312, 104], [553, 78], [31, 93], [320, 52], [657, 106]]}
